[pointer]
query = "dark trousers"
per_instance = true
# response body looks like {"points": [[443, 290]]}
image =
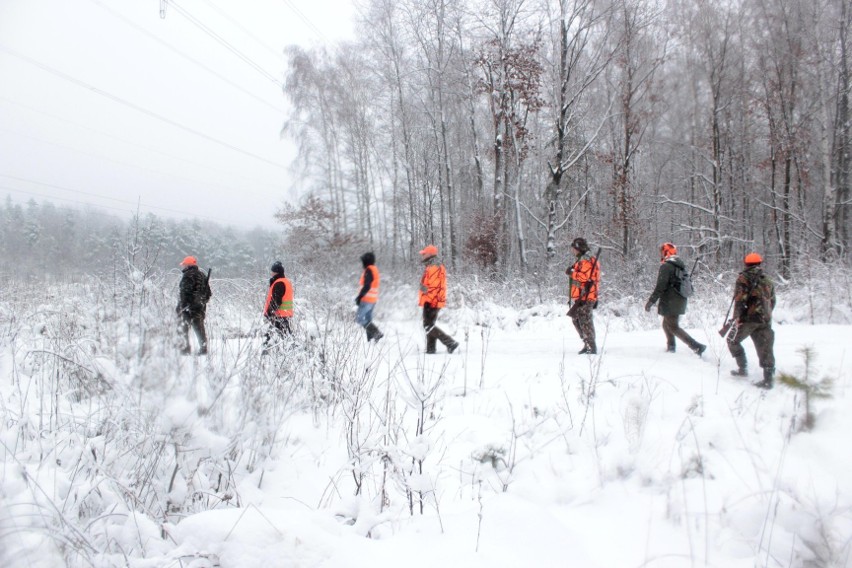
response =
{"points": [[672, 329], [764, 342], [278, 327], [196, 322], [581, 315], [433, 332]]}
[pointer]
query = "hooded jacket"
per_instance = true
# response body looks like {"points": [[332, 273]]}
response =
{"points": [[670, 302]]}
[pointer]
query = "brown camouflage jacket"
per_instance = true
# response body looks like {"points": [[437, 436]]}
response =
{"points": [[754, 296]]}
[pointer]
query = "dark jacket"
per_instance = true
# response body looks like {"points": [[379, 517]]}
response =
{"points": [[754, 296], [671, 303], [194, 292]]}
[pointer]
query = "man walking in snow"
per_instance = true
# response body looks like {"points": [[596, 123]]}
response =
{"points": [[368, 295], [279, 305], [433, 297], [672, 303], [754, 300], [584, 278], [192, 304]]}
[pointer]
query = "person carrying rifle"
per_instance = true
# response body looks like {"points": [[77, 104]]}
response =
{"points": [[584, 278], [192, 304], [672, 303], [753, 302]]}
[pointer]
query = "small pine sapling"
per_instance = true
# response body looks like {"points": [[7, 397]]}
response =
{"points": [[810, 389]]}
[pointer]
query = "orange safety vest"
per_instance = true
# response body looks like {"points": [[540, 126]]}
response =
{"points": [[372, 295], [583, 272], [433, 286], [285, 310]]}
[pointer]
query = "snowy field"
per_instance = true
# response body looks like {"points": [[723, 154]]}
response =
{"points": [[513, 452]]}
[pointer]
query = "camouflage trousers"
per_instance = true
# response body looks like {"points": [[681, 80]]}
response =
{"points": [[581, 315], [764, 340], [672, 329]]}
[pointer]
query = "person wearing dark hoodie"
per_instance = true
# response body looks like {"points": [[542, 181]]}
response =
{"points": [[279, 304], [192, 304], [672, 305], [368, 295]]}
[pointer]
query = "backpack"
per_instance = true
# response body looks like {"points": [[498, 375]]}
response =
{"points": [[683, 283]]}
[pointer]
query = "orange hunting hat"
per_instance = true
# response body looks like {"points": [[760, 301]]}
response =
{"points": [[753, 258], [189, 261], [430, 250], [668, 250]]}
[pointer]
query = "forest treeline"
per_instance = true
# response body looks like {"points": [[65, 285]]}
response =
{"points": [[46, 240], [501, 129]]}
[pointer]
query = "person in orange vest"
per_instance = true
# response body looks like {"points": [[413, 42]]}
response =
{"points": [[433, 297], [192, 304], [368, 296], [279, 304], [584, 278]]}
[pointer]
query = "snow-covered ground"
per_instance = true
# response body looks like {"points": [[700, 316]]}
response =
{"points": [[514, 451]]}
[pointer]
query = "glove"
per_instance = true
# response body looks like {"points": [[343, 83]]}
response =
{"points": [[649, 305], [595, 305], [357, 301]]}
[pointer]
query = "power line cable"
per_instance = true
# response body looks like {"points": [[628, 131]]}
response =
{"points": [[134, 106], [305, 19], [206, 167], [199, 24], [164, 43], [205, 183], [134, 204], [245, 30]]}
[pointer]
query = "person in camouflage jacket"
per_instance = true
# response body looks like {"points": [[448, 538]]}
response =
{"points": [[754, 300], [672, 305], [192, 304]]}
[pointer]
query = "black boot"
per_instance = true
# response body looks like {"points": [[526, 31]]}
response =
{"points": [[452, 346], [742, 367], [670, 348], [373, 332], [699, 348], [768, 378], [589, 349]]}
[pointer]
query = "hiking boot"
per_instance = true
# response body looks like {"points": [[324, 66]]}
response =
{"points": [[430, 352], [670, 348], [768, 376], [699, 349], [452, 346], [587, 351], [742, 367]]}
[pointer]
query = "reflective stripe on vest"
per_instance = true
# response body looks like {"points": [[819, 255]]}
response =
{"points": [[285, 310], [372, 295]]}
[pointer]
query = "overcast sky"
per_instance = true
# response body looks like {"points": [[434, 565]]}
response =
{"points": [[106, 103]]}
